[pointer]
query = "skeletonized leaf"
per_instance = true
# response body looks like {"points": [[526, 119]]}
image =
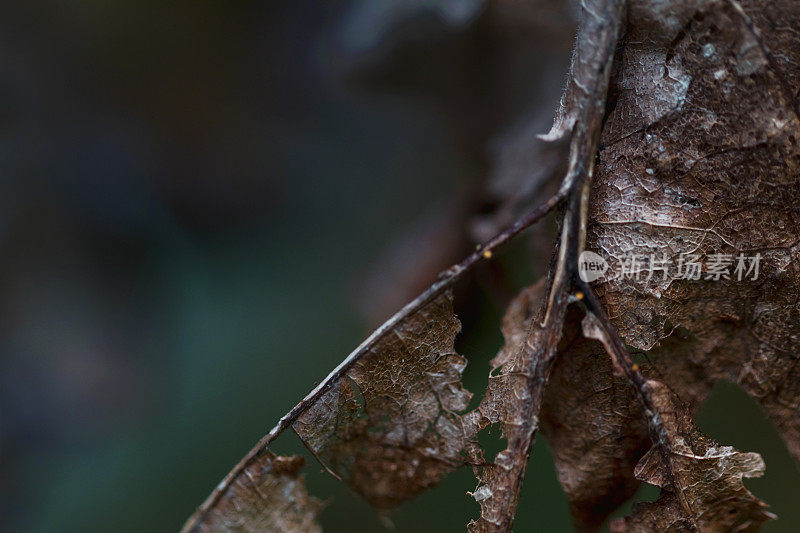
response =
{"points": [[386, 420], [390, 425], [699, 156], [701, 481], [506, 402], [269, 497]]}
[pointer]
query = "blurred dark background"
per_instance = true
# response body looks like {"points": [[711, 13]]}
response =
{"points": [[204, 206]]}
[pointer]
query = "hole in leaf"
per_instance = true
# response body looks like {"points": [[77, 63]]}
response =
{"points": [[732, 417]]}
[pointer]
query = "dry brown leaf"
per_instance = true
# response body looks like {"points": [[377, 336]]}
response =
{"points": [[594, 425], [701, 481], [700, 155], [270, 497], [391, 425], [386, 419], [504, 403], [713, 193]]}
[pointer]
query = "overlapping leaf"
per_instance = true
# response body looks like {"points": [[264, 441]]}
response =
{"points": [[701, 481], [700, 157]]}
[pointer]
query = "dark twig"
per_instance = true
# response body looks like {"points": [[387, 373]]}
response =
{"points": [[608, 335], [604, 331]]}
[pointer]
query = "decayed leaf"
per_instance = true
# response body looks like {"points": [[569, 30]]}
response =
{"points": [[595, 427], [386, 419], [390, 425], [270, 497], [508, 402], [514, 398], [701, 481], [387, 416], [699, 156]]}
